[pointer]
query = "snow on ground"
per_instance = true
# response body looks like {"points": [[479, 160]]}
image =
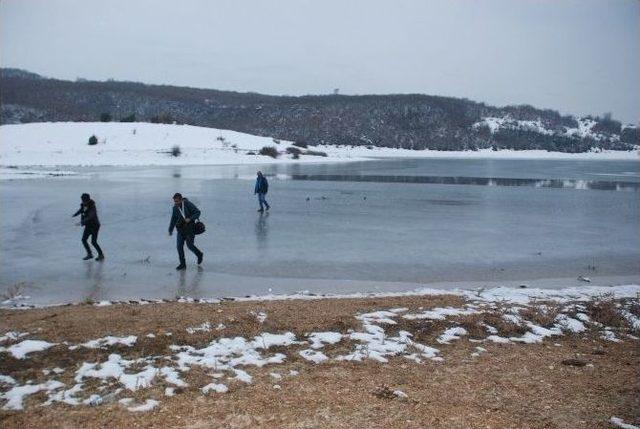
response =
{"points": [[378, 339], [584, 128], [22, 349], [107, 342], [618, 422], [137, 144], [149, 405]]}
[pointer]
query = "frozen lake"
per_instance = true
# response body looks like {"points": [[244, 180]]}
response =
{"points": [[389, 225]]}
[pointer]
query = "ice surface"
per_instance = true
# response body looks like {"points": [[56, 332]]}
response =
{"points": [[401, 237]]}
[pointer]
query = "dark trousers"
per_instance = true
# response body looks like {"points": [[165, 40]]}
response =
{"points": [[91, 231], [189, 239], [262, 200]]}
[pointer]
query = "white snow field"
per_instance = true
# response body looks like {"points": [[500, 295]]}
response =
{"points": [[138, 144]]}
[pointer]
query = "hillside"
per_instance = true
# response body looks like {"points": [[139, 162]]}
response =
{"points": [[396, 121]]}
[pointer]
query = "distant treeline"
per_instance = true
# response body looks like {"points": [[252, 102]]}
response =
{"points": [[409, 121]]}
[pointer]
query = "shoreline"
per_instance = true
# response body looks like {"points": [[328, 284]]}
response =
{"points": [[513, 294]]}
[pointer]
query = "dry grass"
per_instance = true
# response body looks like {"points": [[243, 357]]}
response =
{"points": [[523, 386], [541, 314], [606, 312]]}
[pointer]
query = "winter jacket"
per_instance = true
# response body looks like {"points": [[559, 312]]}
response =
{"points": [[177, 221], [88, 214], [262, 186]]}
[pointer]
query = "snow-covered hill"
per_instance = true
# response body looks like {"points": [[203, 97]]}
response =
{"points": [[67, 143], [586, 127], [137, 144]]}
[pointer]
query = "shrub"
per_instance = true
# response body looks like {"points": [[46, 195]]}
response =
{"points": [[105, 117], [606, 312], [276, 141], [130, 118], [162, 118], [300, 143], [93, 140], [315, 153], [269, 151], [294, 150], [220, 138], [251, 153], [296, 156], [175, 151]]}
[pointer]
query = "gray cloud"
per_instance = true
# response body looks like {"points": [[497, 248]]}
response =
{"points": [[576, 56]]}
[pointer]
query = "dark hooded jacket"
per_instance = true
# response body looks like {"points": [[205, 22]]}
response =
{"points": [[88, 214], [177, 221]]}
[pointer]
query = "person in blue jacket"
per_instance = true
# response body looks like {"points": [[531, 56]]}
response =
{"points": [[183, 219], [262, 187]]}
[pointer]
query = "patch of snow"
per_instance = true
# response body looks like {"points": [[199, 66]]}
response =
{"points": [[23, 348], [7, 379], [204, 327], [319, 339], [267, 340], [451, 334], [498, 339], [12, 336], [440, 313], [171, 376], [149, 405], [610, 336], [216, 387], [108, 341], [15, 396], [242, 376], [67, 396], [313, 355], [569, 324], [115, 367], [260, 316], [400, 394], [616, 421]]}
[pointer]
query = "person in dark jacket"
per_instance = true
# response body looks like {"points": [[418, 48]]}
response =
{"points": [[183, 219], [262, 187], [89, 219]]}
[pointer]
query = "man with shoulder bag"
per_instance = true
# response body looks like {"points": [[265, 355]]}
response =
{"points": [[184, 217]]}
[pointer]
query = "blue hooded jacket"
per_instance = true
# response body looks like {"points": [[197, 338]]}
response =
{"points": [[262, 186]]}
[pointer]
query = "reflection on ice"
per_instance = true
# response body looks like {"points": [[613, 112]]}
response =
{"points": [[482, 181]]}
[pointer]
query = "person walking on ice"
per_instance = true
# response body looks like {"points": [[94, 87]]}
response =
{"points": [[89, 219], [262, 187], [183, 219]]}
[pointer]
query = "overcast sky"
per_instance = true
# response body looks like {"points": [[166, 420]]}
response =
{"points": [[578, 56]]}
